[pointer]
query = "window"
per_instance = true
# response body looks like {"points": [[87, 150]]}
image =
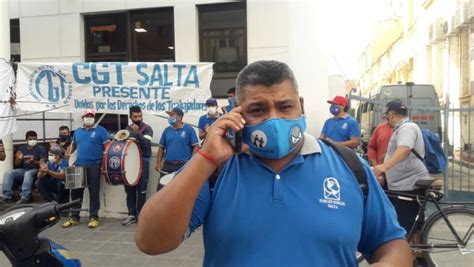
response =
{"points": [[153, 35], [223, 40], [139, 35]]}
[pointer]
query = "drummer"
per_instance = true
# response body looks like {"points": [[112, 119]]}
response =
{"points": [[136, 195], [177, 143], [90, 141]]}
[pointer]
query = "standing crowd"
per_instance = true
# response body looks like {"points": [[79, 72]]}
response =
{"points": [[288, 199]]}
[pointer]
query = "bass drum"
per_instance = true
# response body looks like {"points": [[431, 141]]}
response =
{"points": [[122, 163]]}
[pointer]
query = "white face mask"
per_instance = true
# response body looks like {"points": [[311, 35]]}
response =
{"points": [[32, 142], [52, 159], [212, 110], [88, 121]]}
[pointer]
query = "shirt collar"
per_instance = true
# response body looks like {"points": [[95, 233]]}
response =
{"points": [[403, 121], [341, 118], [310, 145]]}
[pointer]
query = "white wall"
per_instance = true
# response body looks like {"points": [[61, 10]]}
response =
{"points": [[292, 32]]}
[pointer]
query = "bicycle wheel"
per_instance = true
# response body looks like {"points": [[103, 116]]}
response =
{"points": [[445, 250]]}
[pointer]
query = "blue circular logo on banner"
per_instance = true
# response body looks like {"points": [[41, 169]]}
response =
{"points": [[46, 84]]}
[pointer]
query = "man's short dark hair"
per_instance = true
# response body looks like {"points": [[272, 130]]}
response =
{"points": [[231, 91], [264, 72], [135, 109], [31, 134], [64, 127]]}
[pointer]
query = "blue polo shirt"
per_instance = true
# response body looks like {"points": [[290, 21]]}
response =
{"points": [[90, 145], [57, 168], [206, 120], [312, 213], [178, 142], [341, 129]]}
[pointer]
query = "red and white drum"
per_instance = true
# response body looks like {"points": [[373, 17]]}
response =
{"points": [[121, 163]]}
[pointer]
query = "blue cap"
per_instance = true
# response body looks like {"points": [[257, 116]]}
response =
{"points": [[211, 102], [176, 111]]}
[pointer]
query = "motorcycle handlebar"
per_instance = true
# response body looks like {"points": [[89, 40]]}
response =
{"points": [[65, 206]]}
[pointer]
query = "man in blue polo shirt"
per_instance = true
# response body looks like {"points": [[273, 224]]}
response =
{"points": [[341, 128], [209, 118], [230, 100], [178, 143], [51, 176], [290, 201], [90, 142]]}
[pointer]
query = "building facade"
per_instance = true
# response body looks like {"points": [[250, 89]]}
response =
{"points": [[229, 33]]}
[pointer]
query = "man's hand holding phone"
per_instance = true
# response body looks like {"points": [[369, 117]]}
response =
{"points": [[217, 144]]}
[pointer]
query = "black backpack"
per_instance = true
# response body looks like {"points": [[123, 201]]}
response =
{"points": [[352, 160]]}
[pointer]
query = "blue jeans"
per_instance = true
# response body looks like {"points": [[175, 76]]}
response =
{"points": [[27, 177], [136, 195]]}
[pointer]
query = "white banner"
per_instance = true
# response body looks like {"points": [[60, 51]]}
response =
{"points": [[7, 113], [112, 87]]}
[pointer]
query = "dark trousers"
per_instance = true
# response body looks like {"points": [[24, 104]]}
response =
{"points": [[136, 195], [169, 167], [93, 179], [407, 210], [48, 187]]}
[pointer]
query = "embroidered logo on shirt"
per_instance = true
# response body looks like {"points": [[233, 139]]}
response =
{"points": [[345, 126], [332, 193], [93, 134], [183, 134]]}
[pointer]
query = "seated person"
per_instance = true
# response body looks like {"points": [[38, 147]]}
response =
{"points": [[64, 138], [51, 176], [27, 160]]}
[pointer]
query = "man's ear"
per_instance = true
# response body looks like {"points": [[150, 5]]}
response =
{"points": [[302, 104]]}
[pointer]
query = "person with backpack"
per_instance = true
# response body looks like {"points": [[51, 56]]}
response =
{"points": [[287, 200], [401, 166]]}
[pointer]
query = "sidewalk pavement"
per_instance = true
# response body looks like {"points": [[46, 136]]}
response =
{"points": [[112, 244]]}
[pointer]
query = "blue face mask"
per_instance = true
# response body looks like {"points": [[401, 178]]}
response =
{"points": [[171, 121], [334, 110], [274, 138]]}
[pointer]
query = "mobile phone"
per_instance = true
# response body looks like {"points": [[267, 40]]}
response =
{"points": [[235, 139]]}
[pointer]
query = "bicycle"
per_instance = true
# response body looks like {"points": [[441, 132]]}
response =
{"points": [[447, 234]]}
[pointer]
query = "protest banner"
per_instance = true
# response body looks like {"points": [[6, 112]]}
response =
{"points": [[112, 87]]}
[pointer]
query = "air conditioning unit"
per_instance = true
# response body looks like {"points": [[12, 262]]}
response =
{"points": [[435, 30], [449, 27], [463, 13]]}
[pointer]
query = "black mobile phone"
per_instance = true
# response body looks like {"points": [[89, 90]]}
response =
{"points": [[235, 139]]}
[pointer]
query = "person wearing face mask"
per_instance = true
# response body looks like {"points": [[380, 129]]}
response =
{"points": [[401, 167], [230, 100], [27, 159], [342, 128], [288, 200], [136, 195], [178, 143], [64, 139], [90, 140], [207, 119], [51, 175]]}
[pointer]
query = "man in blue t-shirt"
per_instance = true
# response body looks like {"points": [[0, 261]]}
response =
{"points": [[178, 143], [90, 142], [341, 128], [51, 176], [230, 100], [288, 201], [209, 118], [27, 159]]}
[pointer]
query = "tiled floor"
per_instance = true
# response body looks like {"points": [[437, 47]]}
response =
{"points": [[112, 244]]}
